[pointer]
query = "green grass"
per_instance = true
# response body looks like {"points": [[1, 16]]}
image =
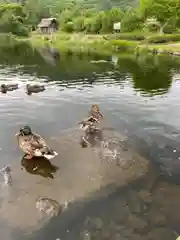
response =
{"points": [[108, 43]]}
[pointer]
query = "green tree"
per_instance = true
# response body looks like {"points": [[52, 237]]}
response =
{"points": [[12, 24], [131, 21], [78, 24], [109, 18], [166, 11]]}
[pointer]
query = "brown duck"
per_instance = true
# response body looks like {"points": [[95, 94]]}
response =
{"points": [[95, 112], [31, 142], [34, 88], [8, 87]]}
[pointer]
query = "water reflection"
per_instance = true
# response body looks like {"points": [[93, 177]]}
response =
{"points": [[50, 54], [150, 75], [39, 166]]}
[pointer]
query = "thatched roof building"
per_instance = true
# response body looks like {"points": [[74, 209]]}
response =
{"points": [[48, 25]]}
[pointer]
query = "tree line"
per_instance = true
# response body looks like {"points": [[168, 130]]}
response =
{"points": [[150, 15]]}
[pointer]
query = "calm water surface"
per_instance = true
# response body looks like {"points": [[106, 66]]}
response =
{"points": [[139, 98]]}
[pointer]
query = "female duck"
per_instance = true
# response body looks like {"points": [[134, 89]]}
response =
{"points": [[8, 87], [31, 143], [95, 112], [34, 89]]}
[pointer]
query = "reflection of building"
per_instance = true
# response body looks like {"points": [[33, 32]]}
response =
{"points": [[49, 54], [48, 25], [114, 59]]}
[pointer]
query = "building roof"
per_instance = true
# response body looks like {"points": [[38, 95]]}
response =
{"points": [[46, 22]]}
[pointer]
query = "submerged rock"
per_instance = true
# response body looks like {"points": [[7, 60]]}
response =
{"points": [[77, 167], [49, 206]]}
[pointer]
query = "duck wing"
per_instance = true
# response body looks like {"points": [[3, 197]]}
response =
{"points": [[40, 140]]}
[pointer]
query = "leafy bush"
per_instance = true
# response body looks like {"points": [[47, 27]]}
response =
{"points": [[68, 27], [13, 24], [164, 38], [78, 24], [129, 36], [131, 21]]}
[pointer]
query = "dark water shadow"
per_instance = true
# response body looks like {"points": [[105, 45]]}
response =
{"points": [[109, 210], [39, 166]]}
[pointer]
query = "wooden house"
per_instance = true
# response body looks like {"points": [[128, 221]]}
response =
{"points": [[48, 25]]}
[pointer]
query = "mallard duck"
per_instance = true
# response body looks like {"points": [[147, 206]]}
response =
{"points": [[89, 124], [91, 131], [8, 87], [34, 89], [11, 87], [95, 112], [32, 144]]}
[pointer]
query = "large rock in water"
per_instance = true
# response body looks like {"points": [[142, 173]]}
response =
{"points": [[83, 171]]}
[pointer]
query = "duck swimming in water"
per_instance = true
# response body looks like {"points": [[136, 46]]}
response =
{"points": [[32, 144], [8, 87], [34, 89]]}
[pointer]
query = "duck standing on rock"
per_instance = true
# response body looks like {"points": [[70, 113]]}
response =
{"points": [[32, 144], [95, 112], [95, 115], [91, 132], [89, 125], [34, 88], [8, 87]]}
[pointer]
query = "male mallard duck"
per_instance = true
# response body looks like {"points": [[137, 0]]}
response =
{"points": [[95, 112], [32, 144], [34, 89]]}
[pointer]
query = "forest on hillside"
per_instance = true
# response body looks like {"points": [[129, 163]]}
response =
{"points": [[89, 16]]}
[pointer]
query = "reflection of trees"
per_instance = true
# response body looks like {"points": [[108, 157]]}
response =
{"points": [[69, 66], [149, 74]]}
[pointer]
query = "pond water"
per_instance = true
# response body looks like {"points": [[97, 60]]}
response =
{"points": [[140, 99]]}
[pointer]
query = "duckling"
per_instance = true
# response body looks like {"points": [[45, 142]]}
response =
{"points": [[95, 112], [34, 89]]}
